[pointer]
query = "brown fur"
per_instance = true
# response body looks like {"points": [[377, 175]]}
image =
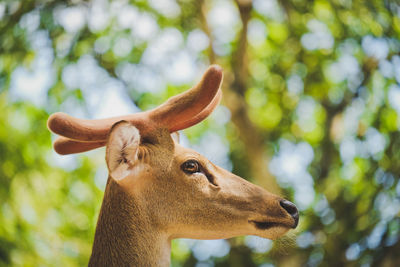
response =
{"points": [[157, 202], [124, 233]]}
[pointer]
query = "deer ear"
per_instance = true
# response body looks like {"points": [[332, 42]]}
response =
{"points": [[176, 137], [122, 149]]}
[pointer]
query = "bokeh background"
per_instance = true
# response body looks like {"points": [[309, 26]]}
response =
{"points": [[311, 111]]}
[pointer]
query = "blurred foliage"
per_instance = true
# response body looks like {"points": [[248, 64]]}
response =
{"points": [[312, 85]]}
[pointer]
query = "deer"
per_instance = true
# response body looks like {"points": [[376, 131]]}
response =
{"points": [[157, 190]]}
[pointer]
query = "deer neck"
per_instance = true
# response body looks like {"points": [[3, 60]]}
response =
{"points": [[125, 235]]}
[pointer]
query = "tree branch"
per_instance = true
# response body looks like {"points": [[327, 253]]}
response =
{"points": [[234, 88]]}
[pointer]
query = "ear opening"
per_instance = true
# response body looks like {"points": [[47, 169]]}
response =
{"points": [[122, 149]]}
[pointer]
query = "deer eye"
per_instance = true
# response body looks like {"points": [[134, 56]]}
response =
{"points": [[191, 166]]}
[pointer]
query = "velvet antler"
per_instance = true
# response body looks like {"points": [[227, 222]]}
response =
{"points": [[177, 113]]}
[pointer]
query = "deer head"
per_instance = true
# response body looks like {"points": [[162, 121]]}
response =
{"points": [[174, 191]]}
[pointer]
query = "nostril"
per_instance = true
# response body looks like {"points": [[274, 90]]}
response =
{"points": [[291, 209]]}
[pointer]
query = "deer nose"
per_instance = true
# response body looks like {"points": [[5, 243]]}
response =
{"points": [[291, 209]]}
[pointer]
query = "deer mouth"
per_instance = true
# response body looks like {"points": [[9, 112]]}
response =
{"points": [[267, 225]]}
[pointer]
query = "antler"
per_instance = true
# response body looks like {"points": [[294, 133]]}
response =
{"points": [[65, 146], [177, 113]]}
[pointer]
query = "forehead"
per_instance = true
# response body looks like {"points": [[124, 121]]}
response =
{"points": [[183, 153]]}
